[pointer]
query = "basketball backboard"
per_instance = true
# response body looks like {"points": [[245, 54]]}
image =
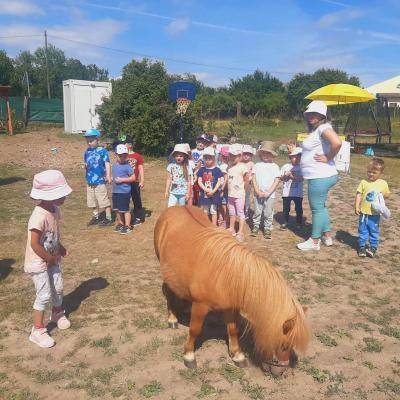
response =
{"points": [[181, 90]]}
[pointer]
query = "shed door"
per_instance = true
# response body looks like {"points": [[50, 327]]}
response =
{"points": [[82, 108], [97, 99]]}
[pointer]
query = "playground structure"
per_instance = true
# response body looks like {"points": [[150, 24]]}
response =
{"points": [[5, 92]]}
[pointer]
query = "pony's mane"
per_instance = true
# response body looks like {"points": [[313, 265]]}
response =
{"points": [[256, 289]]}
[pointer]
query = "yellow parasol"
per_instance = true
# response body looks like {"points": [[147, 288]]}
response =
{"points": [[341, 93]]}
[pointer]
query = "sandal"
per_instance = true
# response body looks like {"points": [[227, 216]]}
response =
{"points": [[232, 232]]}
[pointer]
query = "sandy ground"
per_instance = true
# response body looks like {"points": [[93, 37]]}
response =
{"points": [[119, 345]]}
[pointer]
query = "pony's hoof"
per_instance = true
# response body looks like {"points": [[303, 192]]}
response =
{"points": [[192, 364], [241, 363], [173, 325]]}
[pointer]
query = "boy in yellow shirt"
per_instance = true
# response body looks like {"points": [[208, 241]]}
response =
{"points": [[368, 192]]}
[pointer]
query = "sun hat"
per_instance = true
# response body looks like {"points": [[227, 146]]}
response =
{"points": [[215, 139], [121, 149], [295, 151], [224, 150], [188, 149], [248, 149], [180, 148], [49, 185], [92, 132], [235, 149], [268, 146], [317, 106], [209, 151]]}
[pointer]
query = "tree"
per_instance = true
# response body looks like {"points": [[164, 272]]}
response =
{"points": [[139, 107], [6, 69], [303, 84]]}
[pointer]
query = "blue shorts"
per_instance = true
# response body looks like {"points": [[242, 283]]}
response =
{"points": [[120, 201]]}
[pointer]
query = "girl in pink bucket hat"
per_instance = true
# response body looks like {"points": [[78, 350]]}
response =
{"points": [[44, 251]]}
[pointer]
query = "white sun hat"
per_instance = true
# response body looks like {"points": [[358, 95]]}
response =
{"points": [[209, 151], [295, 151], [121, 149], [248, 149], [180, 148], [50, 185], [317, 106], [235, 149]]}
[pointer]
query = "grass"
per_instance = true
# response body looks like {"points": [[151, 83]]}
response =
{"points": [[372, 345], [254, 391], [207, 390], [231, 373], [326, 340], [154, 388]]}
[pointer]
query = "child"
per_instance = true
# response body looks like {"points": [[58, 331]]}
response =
{"points": [[247, 159], [292, 188], [98, 173], [202, 142], [136, 161], [179, 178], [368, 192], [210, 180], [237, 185], [193, 179], [44, 251], [266, 177], [122, 178], [223, 166]]}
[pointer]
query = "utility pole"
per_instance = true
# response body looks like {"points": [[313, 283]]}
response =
{"points": [[47, 65]]}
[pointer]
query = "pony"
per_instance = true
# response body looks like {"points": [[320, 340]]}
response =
{"points": [[206, 266]]}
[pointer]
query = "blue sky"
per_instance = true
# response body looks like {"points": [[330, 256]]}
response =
{"points": [[233, 38]]}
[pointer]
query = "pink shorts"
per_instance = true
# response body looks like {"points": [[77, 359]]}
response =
{"points": [[236, 207]]}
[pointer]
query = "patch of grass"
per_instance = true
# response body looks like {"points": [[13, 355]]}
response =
{"points": [[207, 390], [177, 355], [45, 376], [178, 340], [372, 345], [370, 365], [343, 333], [191, 374], [388, 386], [317, 374], [146, 322], [360, 393], [391, 331], [326, 340], [324, 280], [149, 348], [231, 373], [104, 342], [104, 375], [3, 377], [24, 394], [360, 325], [255, 392], [89, 387], [152, 389]]}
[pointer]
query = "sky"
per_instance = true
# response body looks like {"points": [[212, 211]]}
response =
{"points": [[217, 40]]}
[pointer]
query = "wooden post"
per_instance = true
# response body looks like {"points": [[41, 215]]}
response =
{"points": [[9, 121], [25, 111]]}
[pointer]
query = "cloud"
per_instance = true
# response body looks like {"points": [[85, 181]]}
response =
{"points": [[336, 3], [211, 79], [178, 26], [329, 20], [19, 8]]}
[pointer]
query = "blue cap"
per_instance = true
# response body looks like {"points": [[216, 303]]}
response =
{"points": [[92, 132]]}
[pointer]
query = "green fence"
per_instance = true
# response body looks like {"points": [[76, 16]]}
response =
{"points": [[36, 110]]}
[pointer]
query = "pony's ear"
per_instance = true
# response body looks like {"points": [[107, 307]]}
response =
{"points": [[305, 308], [288, 326]]}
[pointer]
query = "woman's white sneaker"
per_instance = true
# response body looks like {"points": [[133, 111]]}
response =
{"points": [[309, 245], [327, 240], [40, 337]]}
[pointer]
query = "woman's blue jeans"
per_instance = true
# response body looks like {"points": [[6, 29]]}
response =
{"points": [[317, 194]]}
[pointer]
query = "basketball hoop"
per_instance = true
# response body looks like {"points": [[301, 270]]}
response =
{"points": [[182, 104]]}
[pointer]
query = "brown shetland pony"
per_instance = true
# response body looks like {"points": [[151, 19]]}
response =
{"points": [[206, 266]]}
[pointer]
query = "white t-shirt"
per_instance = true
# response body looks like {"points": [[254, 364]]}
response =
{"points": [[292, 188], [236, 181], [315, 144], [265, 174]]}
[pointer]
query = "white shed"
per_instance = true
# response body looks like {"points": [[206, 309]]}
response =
{"points": [[80, 101]]}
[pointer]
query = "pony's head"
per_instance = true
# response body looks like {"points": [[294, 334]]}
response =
{"points": [[295, 336]]}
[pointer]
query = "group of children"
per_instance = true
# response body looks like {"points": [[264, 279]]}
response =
{"points": [[126, 176], [220, 179]]}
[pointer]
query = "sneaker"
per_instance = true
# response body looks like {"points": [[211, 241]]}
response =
{"points": [[309, 245], [267, 234], [40, 337], [61, 320], [105, 222], [327, 240], [137, 222], [298, 227], [284, 226], [362, 252], [117, 228], [126, 229], [95, 220], [371, 252], [254, 231]]}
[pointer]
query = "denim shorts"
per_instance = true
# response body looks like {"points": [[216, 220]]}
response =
{"points": [[120, 201]]}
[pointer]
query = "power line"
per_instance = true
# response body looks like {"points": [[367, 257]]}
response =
{"points": [[19, 36]]}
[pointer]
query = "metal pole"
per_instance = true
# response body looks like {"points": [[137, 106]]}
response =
{"points": [[27, 83], [47, 64], [181, 127]]}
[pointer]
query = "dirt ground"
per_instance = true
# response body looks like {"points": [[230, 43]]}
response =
{"points": [[119, 345]]}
